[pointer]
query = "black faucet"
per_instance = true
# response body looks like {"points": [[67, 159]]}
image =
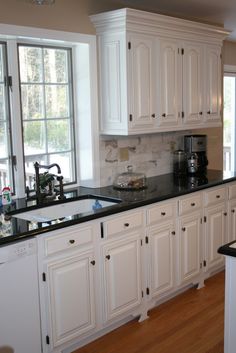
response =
{"points": [[39, 195]]}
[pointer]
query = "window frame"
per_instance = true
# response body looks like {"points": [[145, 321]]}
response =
{"points": [[79, 42]]}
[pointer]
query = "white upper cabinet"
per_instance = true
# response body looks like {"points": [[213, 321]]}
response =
{"points": [[157, 73]]}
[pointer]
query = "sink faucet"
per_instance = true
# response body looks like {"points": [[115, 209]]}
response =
{"points": [[37, 166]]}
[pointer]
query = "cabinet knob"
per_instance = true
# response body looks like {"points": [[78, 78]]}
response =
{"points": [[193, 204], [200, 113], [225, 213], [93, 262], [183, 229], [153, 115], [71, 241], [108, 257], [163, 213], [233, 210], [208, 112], [217, 196], [173, 232], [164, 115], [126, 225]]}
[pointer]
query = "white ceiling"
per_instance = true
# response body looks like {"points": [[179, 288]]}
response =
{"points": [[220, 12]]}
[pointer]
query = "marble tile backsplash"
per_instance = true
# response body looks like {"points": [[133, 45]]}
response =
{"points": [[149, 154]]}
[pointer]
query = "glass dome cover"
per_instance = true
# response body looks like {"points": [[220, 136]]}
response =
{"points": [[130, 180]]}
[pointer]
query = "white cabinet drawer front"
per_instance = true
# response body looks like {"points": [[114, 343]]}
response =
{"points": [[162, 212], [190, 204], [123, 224], [68, 240], [232, 192], [215, 196]]}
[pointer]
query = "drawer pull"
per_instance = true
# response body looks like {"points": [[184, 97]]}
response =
{"points": [[217, 196], [183, 229], [71, 241], [126, 225], [108, 257], [92, 262], [163, 213], [193, 204]]}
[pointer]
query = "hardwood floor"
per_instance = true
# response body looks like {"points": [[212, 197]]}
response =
{"points": [[192, 322]]}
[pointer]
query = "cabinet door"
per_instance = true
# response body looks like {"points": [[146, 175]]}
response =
{"points": [[161, 259], [232, 221], [215, 233], [189, 246], [122, 276], [70, 286], [193, 83], [141, 81], [213, 84], [170, 84]]}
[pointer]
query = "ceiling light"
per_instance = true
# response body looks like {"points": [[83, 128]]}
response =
{"points": [[43, 2]]}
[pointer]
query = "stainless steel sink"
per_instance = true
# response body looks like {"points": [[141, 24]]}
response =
{"points": [[69, 208]]}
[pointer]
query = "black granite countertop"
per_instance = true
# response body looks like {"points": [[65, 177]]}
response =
{"points": [[159, 188], [228, 249]]}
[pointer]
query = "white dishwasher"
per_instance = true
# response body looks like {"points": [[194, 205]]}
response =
{"points": [[19, 298]]}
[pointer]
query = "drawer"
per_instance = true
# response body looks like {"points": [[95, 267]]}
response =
{"points": [[68, 240], [161, 212], [190, 204], [124, 223], [232, 191], [215, 196]]}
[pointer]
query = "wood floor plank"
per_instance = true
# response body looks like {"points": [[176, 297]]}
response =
{"points": [[192, 322]]}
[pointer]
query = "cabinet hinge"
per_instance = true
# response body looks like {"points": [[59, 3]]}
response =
{"points": [[102, 231], [129, 45], [205, 219], [182, 51], [47, 339], [201, 221], [147, 291], [204, 263], [182, 114], [142, 293], [8, 81], [200, 264], [44, 277], [14, 160], [130, 117], [146, 239]]}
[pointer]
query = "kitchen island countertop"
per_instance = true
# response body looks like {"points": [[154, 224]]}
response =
{"points": [[159, 188]]}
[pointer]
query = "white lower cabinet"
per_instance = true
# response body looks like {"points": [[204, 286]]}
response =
{"points": [[162, 257], [215, 235], [190, 232], [97, 274], [122, 276]]}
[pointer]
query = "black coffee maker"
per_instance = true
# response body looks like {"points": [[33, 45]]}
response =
{"points": [[195, 148]]}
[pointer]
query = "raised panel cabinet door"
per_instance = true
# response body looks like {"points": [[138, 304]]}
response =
{"points": [[193, 83], [142, 79], [189, 246], [170, 84], [113, 82], [161, 257], [71, 298], [215, 233], [122, 276], [213, 84], [232, 221]]}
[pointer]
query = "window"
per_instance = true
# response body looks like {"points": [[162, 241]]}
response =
{"points": [[47, 109], [48, 106], [229, 121], [6, 170]]}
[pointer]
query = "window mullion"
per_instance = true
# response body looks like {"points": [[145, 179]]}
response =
{"points": [[17, 131]]}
